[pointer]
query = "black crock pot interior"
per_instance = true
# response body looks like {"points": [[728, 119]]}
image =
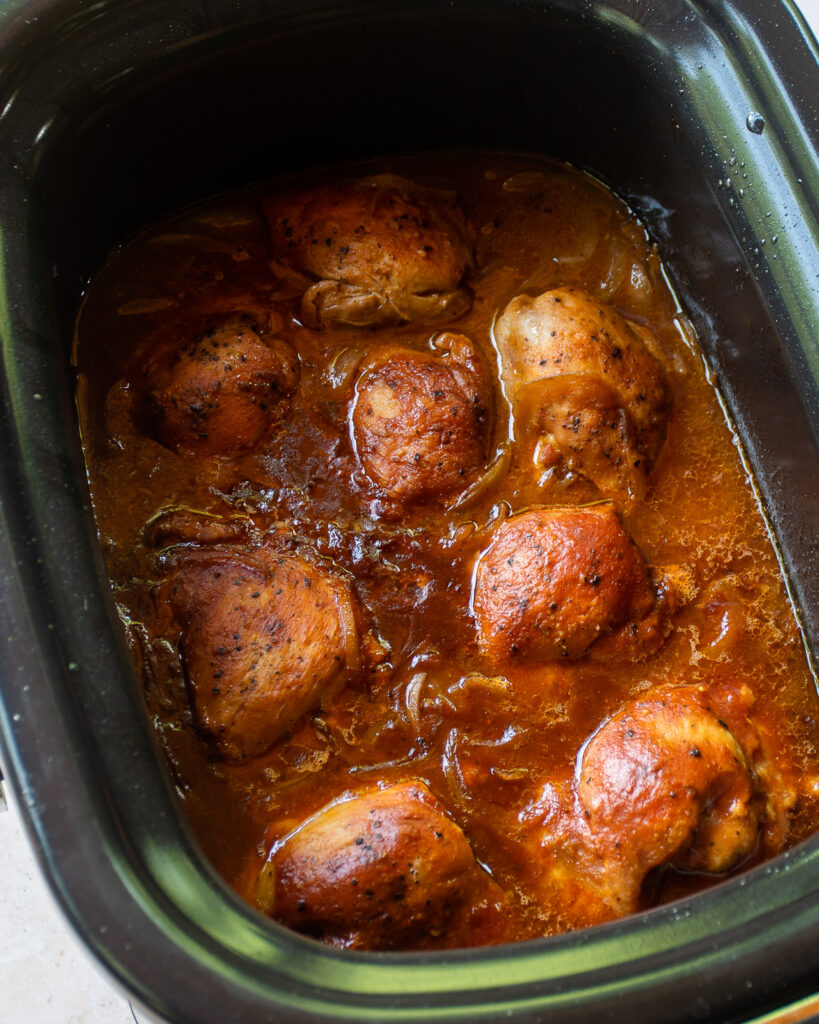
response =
{"points": [[113, 114]]}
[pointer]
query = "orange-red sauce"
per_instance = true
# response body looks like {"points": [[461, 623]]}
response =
{"points": [[432, 709]]}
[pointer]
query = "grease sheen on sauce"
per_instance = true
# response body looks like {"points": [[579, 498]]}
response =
{"points": [[484, 742]]}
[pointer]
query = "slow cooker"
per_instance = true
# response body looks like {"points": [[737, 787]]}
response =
{"points": [[702, 115]]}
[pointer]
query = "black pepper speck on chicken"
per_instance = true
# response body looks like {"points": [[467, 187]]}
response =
{"points": [[557, 580], [671, 780], [379, 252], [385, 868], [586, 376], [421, 419], [216, 385], [265, 637]]}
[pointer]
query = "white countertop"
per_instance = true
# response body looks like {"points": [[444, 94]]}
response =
{"points": [[46, 976], [810, 9]]}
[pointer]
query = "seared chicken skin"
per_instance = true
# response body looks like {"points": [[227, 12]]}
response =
{"points": [[420, 420], [556, 580], [380, 252], [664, 782], [385, 869], [215, 386], [585, 376], [265, 636]]}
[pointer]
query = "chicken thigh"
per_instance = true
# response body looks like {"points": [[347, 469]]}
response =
{"points": [[665, 781], [380, 252], [584, 375], [265, 637], [384, 869], [215, 386], [556, 580], [420, 420]]}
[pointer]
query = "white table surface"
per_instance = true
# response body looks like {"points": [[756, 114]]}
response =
{"points": [[46, 976]]}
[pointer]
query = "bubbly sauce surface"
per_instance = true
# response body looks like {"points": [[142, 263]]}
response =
{"points": [[497, 745]]}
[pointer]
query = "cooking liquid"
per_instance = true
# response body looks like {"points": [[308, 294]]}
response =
{"points": [[484, 743]]}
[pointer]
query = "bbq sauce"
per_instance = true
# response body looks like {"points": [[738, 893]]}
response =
{"points": [[424, 703]]}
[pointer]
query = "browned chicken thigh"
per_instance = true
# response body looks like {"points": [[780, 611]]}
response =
{"points": [[556, 580], [265, 637], [215, 386], [664, 782], [380, 252], [384, 869], [420, 420], [584, 375]]}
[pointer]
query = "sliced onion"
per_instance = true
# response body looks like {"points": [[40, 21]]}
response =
{"points": [[525, 181], [237, 217], [382, 766], [725, 607], [620, 266], [426, 651], [412, 699], [479, 680], [640, 281], [137, 307], [452, 767], [509, 774], [384, 181], [349, 628], [289, 275], [343, 367], [586, 232], [495, 470], [500, 510]]}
